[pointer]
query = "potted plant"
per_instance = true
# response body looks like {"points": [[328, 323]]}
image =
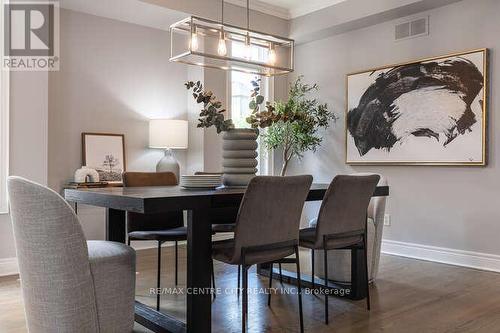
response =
{"points": [[292, 125]]}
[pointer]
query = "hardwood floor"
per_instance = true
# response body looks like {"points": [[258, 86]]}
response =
{"points": [[408, 296]]}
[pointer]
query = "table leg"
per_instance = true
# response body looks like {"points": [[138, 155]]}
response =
{"points": [[115, 225], [358, 280], [199, 253]]}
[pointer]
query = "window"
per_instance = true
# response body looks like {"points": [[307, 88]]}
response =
{"points": [[240, 89], [4, 125]]}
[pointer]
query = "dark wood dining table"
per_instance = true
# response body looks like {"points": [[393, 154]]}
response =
{"points": [[198, 204]]}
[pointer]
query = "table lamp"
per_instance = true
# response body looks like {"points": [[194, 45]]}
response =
{"points": [[168, 134]]}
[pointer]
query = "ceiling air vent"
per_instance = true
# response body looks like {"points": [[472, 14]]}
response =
{"points": [[411, 29]]}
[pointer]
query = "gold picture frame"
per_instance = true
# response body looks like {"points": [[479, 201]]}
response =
{"points": [[484, 112]]}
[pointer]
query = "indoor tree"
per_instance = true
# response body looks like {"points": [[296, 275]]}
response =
{"points": [[293, 125]]}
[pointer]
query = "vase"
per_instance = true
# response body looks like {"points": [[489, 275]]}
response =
{"points": [[239, 156]]}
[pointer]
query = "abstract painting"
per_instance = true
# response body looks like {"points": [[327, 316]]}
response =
{"points": [[426, 112], [106, 154]]}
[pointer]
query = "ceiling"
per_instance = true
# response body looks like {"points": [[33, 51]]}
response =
{"points": [[142, 12], [132, 11]]}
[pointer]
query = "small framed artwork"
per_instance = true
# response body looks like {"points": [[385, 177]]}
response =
{"points": [[425, 112], [105, 153]]}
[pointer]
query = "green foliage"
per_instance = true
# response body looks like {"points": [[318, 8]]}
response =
{"points": [[292, 125], [212, 113]]}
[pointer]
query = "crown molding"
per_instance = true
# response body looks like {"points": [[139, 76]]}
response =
{"points": [[312, 6], [263, 7]]}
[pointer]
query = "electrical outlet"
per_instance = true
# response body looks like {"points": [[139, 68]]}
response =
{"points": [[387, 220]]}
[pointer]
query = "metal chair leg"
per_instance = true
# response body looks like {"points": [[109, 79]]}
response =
{"points": [[312, 268], [239, 278], [158, 278], [326, 283], [213, 279], [281, 274], [176, 263], [366, 272], [244, 311], [299, 286], [270, 284]]}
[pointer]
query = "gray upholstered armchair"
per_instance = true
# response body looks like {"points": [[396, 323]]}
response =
{"points": [[68, 284], [340, 261]]}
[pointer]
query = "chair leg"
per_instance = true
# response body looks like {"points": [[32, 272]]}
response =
{"points": [[239, 278], [326, 283], [158, 278], [213, 279], [176, 264], [270, 284], [366, 273], [244, 310], [312, 268], [299, 287], [281, 274], [128, 241]]}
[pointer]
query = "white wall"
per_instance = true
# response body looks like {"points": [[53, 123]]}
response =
{"points": [[450, 207]]}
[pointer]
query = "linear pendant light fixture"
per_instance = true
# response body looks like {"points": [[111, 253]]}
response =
{"points": [[203, 42]]}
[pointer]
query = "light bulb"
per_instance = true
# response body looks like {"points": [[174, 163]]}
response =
{"points": [[272, 56], [221, 48], [194, 41]]}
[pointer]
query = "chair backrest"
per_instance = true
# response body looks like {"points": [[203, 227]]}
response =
{"points": [[270, 211], [138, 179], [52, 253], [150, 222], [345, 204]]}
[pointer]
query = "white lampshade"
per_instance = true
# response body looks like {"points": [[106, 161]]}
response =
{"points": [[168, 133]]}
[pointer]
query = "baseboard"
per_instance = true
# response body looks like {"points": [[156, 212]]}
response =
{"points": [[477, 260], [8, 266]]}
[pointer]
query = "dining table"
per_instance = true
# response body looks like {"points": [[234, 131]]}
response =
{"points": [[199, 203]]}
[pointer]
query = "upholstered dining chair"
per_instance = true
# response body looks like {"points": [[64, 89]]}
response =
{"points": [[68, 284], [341, 259], [161, 227], [342, 221], [223, 221], [267, 228]]}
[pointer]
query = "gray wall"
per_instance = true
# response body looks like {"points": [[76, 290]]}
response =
{"points": [[114, 77], [452, 207], [28, 139]]}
